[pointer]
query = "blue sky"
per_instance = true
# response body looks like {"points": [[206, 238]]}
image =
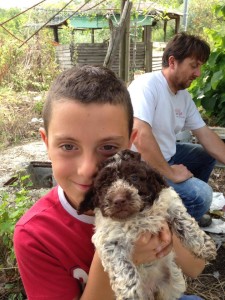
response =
{"points": [[21, 3]]}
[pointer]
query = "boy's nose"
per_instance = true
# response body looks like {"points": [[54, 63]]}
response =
{"points": [[88, 167]]}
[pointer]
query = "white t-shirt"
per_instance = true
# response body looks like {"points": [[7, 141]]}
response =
{"points": [[167, 113]]}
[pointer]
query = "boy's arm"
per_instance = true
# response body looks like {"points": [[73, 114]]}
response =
{"points": [[151, 248], [190, 265], [98, 286], [42, 274], [147, 249]]}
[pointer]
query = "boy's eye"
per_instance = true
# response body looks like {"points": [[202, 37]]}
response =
{"points": [[67, 147], [109, 150], [108, 147]]}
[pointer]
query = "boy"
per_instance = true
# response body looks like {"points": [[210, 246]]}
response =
{"points": [[88, 117]]}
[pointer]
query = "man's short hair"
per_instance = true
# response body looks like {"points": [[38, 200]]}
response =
{"points": [[88, 84], [184, 45]]}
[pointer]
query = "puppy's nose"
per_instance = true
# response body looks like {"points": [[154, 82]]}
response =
{"points": [[119, 201]]}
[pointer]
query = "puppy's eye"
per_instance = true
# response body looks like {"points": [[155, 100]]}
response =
{"points": [[134, 177]]}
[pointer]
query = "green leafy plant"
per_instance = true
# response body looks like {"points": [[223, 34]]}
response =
{"points": [[12, 206], [38, 107], [208, 90]]}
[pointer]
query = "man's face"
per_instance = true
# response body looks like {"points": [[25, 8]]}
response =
{"points": [[185, 72], [79, 138]]}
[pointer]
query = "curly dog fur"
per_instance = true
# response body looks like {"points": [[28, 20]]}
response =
{"points": [[130, 198]]}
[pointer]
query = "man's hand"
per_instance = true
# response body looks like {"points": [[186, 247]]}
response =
{"points": [[180, 173], [150, 247]]}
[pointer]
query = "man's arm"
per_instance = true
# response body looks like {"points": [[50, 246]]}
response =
{"points": [[211, 143], [147, 145]]}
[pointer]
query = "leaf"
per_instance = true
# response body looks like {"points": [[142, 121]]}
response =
{"points": [[16, 214], [209, 104], [198, 101], [213, 58], [207, 87], [216, 79], [222, 101]]}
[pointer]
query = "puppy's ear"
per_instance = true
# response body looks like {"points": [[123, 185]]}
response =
{"points": [[156, 182], [124, 155], [88, 203], [129, 155], [106, 162]]}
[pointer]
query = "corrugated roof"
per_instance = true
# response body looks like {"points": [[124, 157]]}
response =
{"points": [[97, 17]]}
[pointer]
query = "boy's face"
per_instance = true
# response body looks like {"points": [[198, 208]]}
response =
{"points": [[79, 138]]}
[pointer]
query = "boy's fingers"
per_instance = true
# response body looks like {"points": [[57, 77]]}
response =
{"points": [[144, 238], [165, 235], [165, 251], [166, 242]]}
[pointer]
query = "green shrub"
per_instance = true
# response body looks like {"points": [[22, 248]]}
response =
{"points": [[13, 205], [208, 90]]}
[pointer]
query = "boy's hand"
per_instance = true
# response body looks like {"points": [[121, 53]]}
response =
{"points": [[150, 247]]}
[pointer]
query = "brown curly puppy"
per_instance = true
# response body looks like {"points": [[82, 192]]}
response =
{"points": [[130, 198]]}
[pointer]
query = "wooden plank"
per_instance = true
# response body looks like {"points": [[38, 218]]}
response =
{"points": [[88, 53], [220, 131]]}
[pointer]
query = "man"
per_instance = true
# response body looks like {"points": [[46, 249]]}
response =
{"points": [[162, 108]]}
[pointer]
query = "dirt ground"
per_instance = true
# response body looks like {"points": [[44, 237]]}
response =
{"points": [[210, 285]]}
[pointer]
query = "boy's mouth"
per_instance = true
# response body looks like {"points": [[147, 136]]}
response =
{"points": [[84, 187]]}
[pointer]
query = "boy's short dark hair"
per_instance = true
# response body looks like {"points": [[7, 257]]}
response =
{"points": [[184, 45], [88, 84]]}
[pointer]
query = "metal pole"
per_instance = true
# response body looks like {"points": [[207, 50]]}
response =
{"points": [[185, 18]]}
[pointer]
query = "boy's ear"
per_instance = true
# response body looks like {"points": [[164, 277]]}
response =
{"points": [[132, 137], [43, 136]]}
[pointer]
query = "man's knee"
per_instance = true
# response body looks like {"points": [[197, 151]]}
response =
{"points": [[196, 196]]}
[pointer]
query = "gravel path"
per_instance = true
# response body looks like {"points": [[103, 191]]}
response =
{"points": [[15, 158]]}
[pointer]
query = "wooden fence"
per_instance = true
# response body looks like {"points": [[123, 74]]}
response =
{"points": [[94, 54]]}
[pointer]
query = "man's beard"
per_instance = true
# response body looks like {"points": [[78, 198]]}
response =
{"points": [[182, 85]]}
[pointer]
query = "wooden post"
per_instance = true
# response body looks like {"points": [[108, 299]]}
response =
{"points": [[92, 35], [55, 32], [124, 53], [177, 24], [165, 29], [148, 48], [116, 34]]}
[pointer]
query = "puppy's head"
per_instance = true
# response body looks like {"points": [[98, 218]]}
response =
{"points": [[124, 186]]}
